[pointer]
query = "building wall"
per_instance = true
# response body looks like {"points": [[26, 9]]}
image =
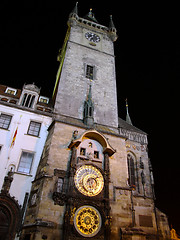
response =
{"points": [[74, 85], [132, 211], [10, 156]]}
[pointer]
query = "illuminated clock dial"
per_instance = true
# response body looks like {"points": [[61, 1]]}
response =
{"points": [[87, 221], [89, 180], [92, 37]]}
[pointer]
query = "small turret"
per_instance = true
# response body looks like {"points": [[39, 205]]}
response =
{"points": [[74, 13], [112, 30], [91, 17]]}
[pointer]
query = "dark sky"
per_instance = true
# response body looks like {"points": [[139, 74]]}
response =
{"points": [[32, 32]]}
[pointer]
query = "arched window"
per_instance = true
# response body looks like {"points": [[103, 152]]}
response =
{"points": [[32, 102], [24, 99], [28, 100], [131, 170]]}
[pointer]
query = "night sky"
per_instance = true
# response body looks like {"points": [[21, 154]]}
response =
{"points": [[32, 32]]}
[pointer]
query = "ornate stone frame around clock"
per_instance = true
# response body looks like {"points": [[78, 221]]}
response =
{"points": [[94, 134], [74, 200]]}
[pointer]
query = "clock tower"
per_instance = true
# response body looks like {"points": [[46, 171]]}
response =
{"points": [[94, 180], [87, 61]]}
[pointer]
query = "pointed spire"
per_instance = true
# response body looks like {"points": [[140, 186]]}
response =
{"points": [[90, 16], [112, 30], [74, 14], [75, 10], [111, 24], [128, 119]]}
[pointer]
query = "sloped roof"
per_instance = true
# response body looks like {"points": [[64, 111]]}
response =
{"points": [[125, 125]]}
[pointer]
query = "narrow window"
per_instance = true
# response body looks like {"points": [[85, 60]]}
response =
{"points": [[131, 170], [90, 72], [34, 128], [32, 101], [83, 151], [25, 162], [24, 99], [5, 121], [27, 101], [90, 111], [96, 154]]}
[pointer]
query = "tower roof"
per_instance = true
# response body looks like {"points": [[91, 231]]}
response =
{"points": [[90, 16], [111, 23], [128, 119], [75, 10]]}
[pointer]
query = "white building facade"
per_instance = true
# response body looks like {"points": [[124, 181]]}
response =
{"points": [[24, 119]]}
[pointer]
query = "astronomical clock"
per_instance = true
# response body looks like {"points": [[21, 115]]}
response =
{"points": [[89, 180], [87, 212]]}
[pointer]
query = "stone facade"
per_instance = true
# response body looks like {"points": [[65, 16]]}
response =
{"points": [[93, 181], [73, 90]]}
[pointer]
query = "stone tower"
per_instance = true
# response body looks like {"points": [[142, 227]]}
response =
{"points": [[94, 180]]}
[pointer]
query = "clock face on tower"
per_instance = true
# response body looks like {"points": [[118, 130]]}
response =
{"points": [[89, 180], [92, 37], [87, 221]]}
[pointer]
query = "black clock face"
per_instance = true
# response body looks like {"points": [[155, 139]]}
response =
{"points": [[92, 37]]}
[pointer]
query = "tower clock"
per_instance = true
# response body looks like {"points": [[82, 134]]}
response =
{"points": [[88, 210], [84, 188], [89, 180]]}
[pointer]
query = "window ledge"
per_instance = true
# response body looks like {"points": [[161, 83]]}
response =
{"points": [[4, 129], [24, 174], [32, 135]]}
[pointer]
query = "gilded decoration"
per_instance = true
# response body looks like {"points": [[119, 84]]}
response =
{"points": [[87, 221]]}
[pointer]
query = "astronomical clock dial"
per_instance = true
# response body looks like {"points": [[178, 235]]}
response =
{"points": [[89, 180], [92, 37], [87, 221]]}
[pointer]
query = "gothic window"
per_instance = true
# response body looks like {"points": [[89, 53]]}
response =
{"points": [[90, 72], [34, 128], [5, 121], [131, 170], [25, 162]]}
